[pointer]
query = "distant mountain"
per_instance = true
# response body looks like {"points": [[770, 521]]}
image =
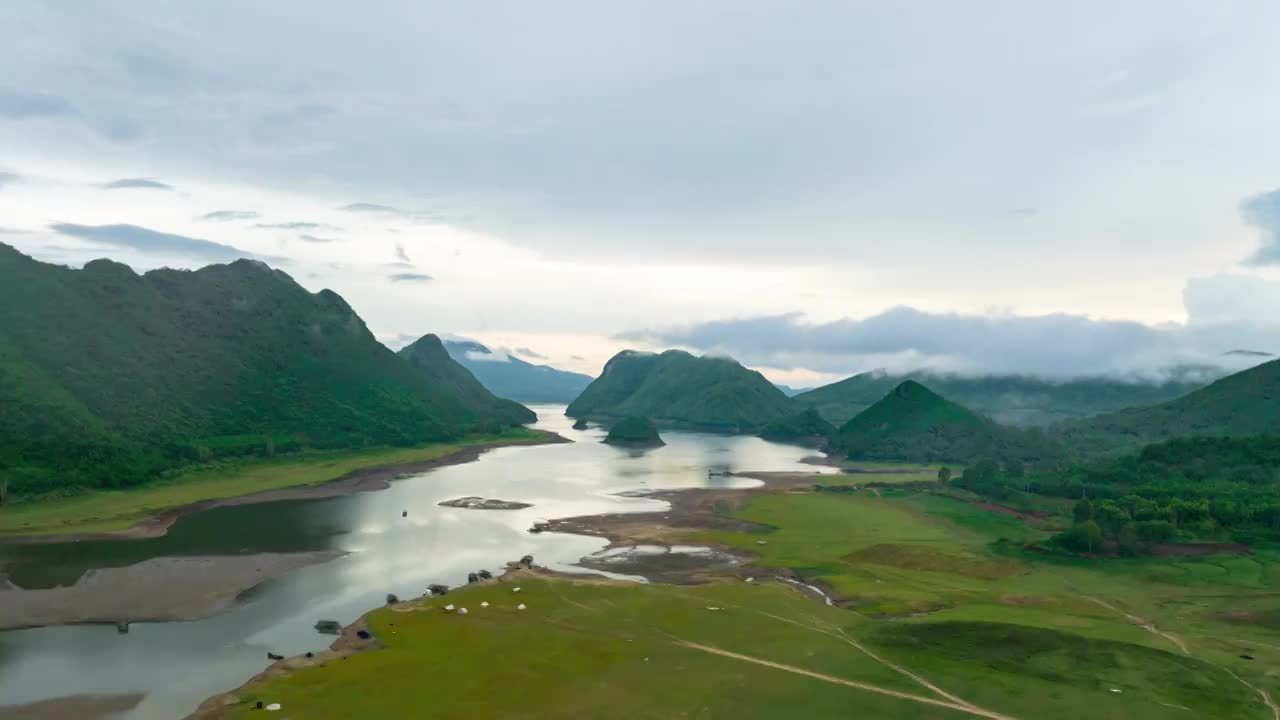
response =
{"points": [[1011, 399], [788, 390], [428, 356], [1246, 403], [678, 388], [510, 377], [915, 424], [108, 377]]}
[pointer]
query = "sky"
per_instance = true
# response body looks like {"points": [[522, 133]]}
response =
{"points": [[817, 189]]}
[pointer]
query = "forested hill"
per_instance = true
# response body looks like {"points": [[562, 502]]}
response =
{"points": [[1246, 403], [434, 364], [915, 424], [108, 377], [1009, 399], [510, 377], [675, 387]]}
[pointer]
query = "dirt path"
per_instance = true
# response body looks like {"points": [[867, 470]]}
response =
{"points": [[968, 709], [1144, 624], [1150, 627]]}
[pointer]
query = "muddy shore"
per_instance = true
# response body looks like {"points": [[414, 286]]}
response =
{"points": [[155, 590], [80, 707], [364, 480]]}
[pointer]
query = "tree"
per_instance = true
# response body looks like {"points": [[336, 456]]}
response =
{"points": [[4, 491], [1083, 511], [1083, 538], [1015, 469], [944, 474]]}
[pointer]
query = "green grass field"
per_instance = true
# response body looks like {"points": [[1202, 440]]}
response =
{"points": [[931, 604], [103, 511]]}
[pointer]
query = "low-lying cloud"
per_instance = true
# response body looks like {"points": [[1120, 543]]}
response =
{"points": [[316, 239], [149, 241], [1057, 345], [137, 184]]}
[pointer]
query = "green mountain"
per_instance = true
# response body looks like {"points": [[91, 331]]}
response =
{"points": [[678, 388], [510, 377], [108, 377], [434, 364], [1011, 399], [1246, 403], [635, 432], [914, 424], [806, 426]]}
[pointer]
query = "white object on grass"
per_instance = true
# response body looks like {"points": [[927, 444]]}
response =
{"points": [[520, 606]]}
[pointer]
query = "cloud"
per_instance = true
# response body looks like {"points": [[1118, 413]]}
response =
{"points": [[529, 353], [296, 226], [228, 215], [145, 240], [1263, 212], [316, 239], [8, 178], [410, 277], [401, 255], [479, 356], [19, 105], [13, 231], [371, 208], [137, 184], [1054, 345]]}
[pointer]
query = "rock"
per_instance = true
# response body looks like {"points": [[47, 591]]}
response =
{"points": [[485, 575], [472, 578], [363, 634], [479, 503], [438, 589], [527, 561], [273, 656], [462, 611], [122, 627]]}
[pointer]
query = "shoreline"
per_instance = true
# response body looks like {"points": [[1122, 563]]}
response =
{"points": [[362, 480], [146, 591], [691, 509]]}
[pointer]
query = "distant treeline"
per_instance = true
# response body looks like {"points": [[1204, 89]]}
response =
{"points": [[1197, 487]]}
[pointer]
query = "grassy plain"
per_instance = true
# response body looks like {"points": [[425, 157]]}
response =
{"points": [[111, 510], [941, 613]]}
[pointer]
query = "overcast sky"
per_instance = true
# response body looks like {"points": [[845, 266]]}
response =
{"points": [[815, 188]]}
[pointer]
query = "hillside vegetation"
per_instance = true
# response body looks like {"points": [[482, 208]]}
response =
{"points": [[806, 426], [634, 431], [428, 356], [510, 377], [915, 424], [1246, 403], [1010, 399], [678, 388], [108, 378]]}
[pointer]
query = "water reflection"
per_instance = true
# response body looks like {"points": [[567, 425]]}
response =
{"points": [[179, 664]]}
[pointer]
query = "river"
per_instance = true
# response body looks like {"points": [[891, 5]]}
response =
{"points": [[176, 665]]}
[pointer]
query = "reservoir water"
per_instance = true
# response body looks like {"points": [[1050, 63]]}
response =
{"points": [[176, 665]]}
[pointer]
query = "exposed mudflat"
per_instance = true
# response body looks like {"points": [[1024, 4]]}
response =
{"points": [[479, 503], [73, 707], [166, 588]]}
